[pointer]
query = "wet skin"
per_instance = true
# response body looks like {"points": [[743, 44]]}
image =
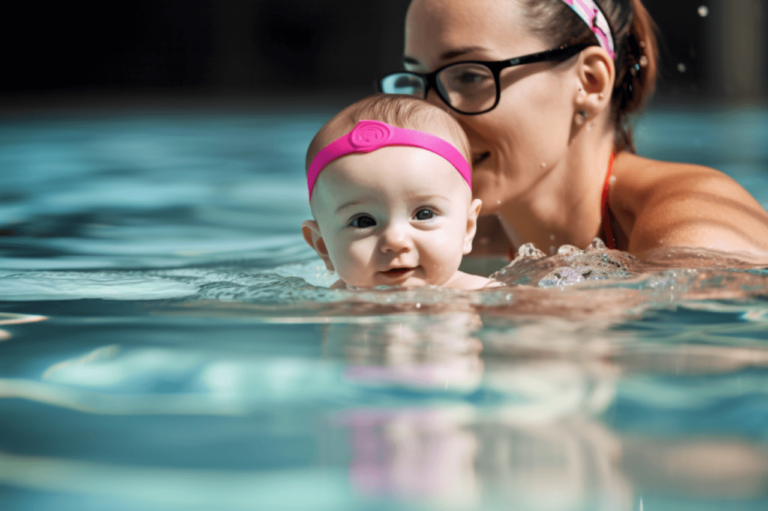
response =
{"points": [[398, 216], [541, 172]]}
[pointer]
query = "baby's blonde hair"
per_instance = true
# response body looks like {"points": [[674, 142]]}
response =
{"points": [[397, 110]]}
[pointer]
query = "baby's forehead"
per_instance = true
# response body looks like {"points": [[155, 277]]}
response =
{"points": [[390, 174]]}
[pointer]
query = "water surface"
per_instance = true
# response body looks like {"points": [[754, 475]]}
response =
{"points": [[169, 342]]}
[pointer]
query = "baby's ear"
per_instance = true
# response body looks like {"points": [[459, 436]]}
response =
{"points": [[314, 239], [472, 214]]}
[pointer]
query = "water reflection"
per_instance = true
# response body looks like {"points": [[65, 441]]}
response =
{"points": [[9, 318], [456, 409], [520, 429]]}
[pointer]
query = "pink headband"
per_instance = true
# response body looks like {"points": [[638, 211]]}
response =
{"points": [[590, 12], [368, 136]]}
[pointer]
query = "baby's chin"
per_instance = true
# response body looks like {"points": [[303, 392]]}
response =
{"points": [[407, 282]]}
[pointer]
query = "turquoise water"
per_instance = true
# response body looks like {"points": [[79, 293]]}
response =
{"points": [[169, 342]]}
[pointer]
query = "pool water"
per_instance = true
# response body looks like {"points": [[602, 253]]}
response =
{"points": [[167, 341]]}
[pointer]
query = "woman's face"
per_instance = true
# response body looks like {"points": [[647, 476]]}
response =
{"points": [[515, 145]]}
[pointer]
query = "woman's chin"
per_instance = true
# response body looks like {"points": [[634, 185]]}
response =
{"points": [[488, 192]]}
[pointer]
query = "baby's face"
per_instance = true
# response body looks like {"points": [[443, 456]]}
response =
{"points": [[395, 216]]}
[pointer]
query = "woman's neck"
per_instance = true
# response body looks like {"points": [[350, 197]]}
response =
{"points": [[565, 206]]}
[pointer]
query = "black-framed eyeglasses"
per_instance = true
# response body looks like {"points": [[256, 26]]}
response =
{"points": [[470, 87]]}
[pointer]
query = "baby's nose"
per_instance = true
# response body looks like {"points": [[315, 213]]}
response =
{"points": [[395, 238]]}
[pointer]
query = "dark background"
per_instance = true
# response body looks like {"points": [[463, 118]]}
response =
{"points": [[311, 48]]}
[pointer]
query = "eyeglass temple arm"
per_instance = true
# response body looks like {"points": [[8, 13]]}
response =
{"points": [[554, 54]]}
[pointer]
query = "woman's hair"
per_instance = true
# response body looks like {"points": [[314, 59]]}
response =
{"points": [[636, 51], [396, 110]]}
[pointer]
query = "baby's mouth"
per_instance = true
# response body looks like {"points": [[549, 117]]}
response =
{"points": [[397, 272], [480, 157]]}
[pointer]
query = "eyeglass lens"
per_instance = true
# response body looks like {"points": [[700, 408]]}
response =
{"points": [[467, 87], [403, 83]]}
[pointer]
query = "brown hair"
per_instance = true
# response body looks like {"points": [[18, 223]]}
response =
{"points": [[401, 111], [636, 51]]}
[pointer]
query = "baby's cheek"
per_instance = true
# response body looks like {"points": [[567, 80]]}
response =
{"points": [[445, 254], [354, 258]]}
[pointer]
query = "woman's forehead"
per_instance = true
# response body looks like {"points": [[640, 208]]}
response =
{"points": [[436, 27]]}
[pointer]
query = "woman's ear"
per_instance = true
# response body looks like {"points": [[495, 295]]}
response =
{"points": [[311, 232], [596, 74], [474, 212]]}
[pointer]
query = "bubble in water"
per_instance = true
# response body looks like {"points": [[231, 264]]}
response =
{"points": [[529, 251], [568, 250], [597, 244], [703, 11], [562, 277], [681, 67], [643, 61]]}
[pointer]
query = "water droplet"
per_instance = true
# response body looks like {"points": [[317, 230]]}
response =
{"points": [[681, 67], [543, 165], [703, 11], [508, 297], [498, 202], [418, 306], [579, 119], [552, 250], [642, 44], [643, 61], [551, 237], [612, 180]]}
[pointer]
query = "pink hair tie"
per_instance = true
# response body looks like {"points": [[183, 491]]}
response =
{"points": [[368, 136], [590, 12]]}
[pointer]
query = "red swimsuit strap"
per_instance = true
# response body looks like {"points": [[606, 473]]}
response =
{"points": [[605, 220], [610, 241]]}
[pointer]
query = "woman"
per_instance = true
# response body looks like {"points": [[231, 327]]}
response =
{"points": [[553, 157]]}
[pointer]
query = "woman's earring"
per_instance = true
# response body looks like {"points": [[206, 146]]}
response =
{"points": [[581, 117]]}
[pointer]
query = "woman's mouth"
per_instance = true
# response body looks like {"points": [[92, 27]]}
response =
{"points": [[479, 158]]}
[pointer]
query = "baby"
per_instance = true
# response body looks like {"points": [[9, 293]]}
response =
{"points": [[390, 196]]}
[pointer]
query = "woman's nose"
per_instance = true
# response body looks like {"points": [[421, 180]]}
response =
{"points": [[395, 239]]}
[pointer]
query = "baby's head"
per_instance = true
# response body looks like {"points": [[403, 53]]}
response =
{"points": [[397, 215]]}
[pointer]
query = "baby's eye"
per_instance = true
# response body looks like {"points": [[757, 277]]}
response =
{"points": [[363, 222], [424, 214]]}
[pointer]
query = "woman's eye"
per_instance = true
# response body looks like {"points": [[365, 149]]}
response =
{"points": [[424, 214], [363, 222], [469, 78]]}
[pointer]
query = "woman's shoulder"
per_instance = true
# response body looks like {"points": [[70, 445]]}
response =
{"points": [[661, 203], [646, 175]]}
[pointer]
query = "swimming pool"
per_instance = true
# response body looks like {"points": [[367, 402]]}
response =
{"points": [[168, 342]]}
